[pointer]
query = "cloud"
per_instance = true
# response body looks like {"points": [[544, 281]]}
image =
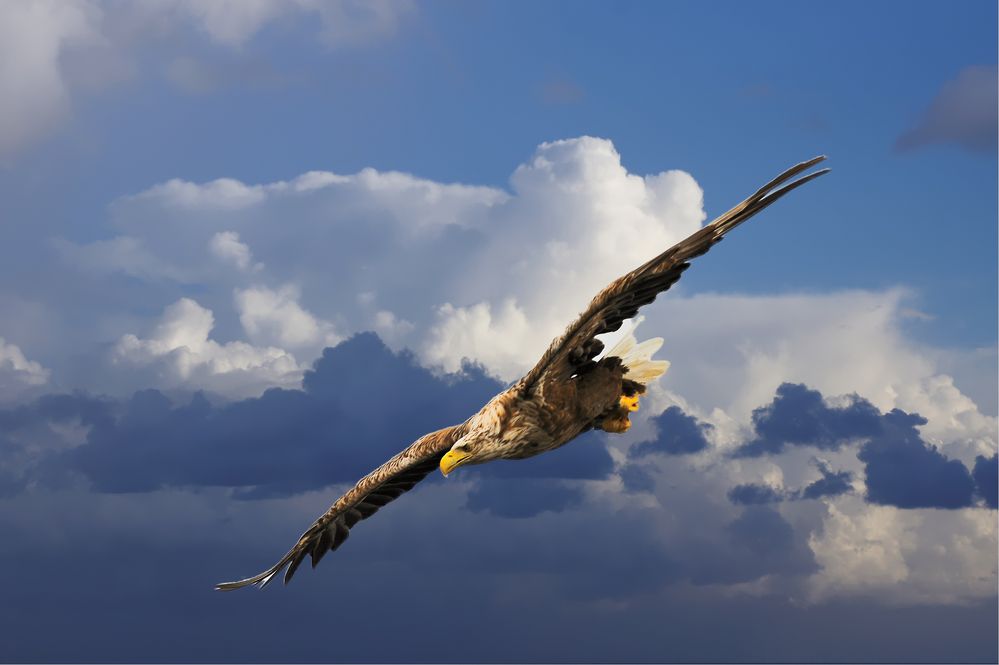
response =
{"points": [[121, 255], [34, 92], [341, 23], [637, 478], [963, 113], [986, 475], [901, 468], [553, 519], [906, 557], [574, 205], [51, 50], [829, 485], [359, 405], [512, 278], [219, 194], [752, 494], [18, 375], [737, 350], [769, 541], [179, 352], [228, 248], [523, 498], [223, 21], [678, 434], [903, 471], [798, 416], [275, 317]]}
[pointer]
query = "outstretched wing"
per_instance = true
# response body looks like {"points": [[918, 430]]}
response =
{"points": [[621, 300], [381, 486]]}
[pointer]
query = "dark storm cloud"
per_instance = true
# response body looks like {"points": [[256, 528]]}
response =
{"points": [[759, 542], [963, 113], [29, 437], [901, 468], [359, 405], [751, 494], [678, 434], [986, 475], [799, 417], [830, 484], [60, 409], [128, 577], [522, 497], [124, 597], [904, 471], [637, 478]]}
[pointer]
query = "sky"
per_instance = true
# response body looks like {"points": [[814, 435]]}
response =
{"points": [[249, 250]]}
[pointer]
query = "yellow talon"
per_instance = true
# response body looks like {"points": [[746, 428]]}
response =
{"points": [[630, 403]]}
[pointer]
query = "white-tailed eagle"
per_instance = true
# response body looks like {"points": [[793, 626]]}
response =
{"points": [[572, 389]]}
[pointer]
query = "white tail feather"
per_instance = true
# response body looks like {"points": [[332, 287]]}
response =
{"points": [[637, 357]]}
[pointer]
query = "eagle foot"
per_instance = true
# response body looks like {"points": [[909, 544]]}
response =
{"points": [[616, 424]]}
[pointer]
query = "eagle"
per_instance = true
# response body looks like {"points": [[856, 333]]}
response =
{"points": [[572, 389]]}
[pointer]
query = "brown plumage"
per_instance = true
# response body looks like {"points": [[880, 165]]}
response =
{"points": [[568, 392]]}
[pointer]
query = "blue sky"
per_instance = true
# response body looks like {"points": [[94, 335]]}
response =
{"points": [[205, 201]]}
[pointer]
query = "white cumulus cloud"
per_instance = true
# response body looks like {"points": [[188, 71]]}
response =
{"points": [[181, 353], [275, 317], [228, 248], [18, 375]]}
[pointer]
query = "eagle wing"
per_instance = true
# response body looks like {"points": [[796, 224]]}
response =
{"points": [[621, 300], [381, 486]]}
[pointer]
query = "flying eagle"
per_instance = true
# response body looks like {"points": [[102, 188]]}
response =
{"points": [[570, 390]]}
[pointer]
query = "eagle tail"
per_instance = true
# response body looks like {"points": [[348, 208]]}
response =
{"points": [[637, 357]]}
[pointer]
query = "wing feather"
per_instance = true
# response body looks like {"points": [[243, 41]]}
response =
{"points": [[623, 298], [378, 488]]}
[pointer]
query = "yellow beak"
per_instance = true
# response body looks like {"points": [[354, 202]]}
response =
{"points": [[452, 460]]}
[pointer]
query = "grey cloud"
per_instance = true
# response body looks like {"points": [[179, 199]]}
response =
{"points": [[901, 468], [522, 497], [360, 404], [637, 478], [799, 416], [750, 494], [832, 483], [759, 542], [903, 471], [986, 475], [592, 583], [962, 113], [678, 434]]}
